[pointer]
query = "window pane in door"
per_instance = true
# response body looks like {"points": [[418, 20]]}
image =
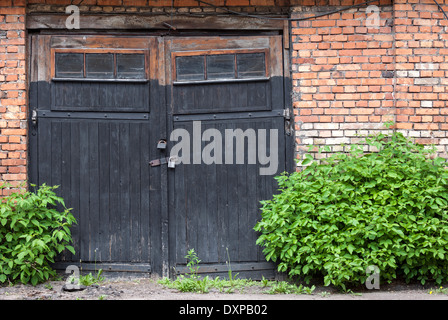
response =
{"points": [[251, 65], [69, 65], [221, 66], [190, 68], [130, 66], [100, 65]]}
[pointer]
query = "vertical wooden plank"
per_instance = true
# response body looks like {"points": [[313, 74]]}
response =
{"points": [[242, 94], [256, 98], [44, 151], [66, 169], [122, 95], [145, 192], [43, 74], [211, 205], [33, 105], [233, 195], [84, 207], [253, 202], [94, 193], [94, 96], [76, 94], [115, 192], [180, 211], [85, 98], [75, 185], [222, 204], [56, 152], [200, 208], [243, 188], [104, 190], [234, 101], [125, 159], [134, 188], [201, 98]]}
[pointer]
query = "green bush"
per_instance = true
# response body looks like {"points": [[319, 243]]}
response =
{"points": [[335, 218], [32, 233]]}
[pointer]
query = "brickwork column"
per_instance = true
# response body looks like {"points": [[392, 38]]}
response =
{"points": [[13, 96]]}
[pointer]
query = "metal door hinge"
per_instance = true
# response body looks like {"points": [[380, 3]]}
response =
{"points": [[287, 116]]}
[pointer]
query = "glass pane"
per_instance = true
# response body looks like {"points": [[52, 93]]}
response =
{"points": [[221, 66], [100, 65], [130, 66], [69, 65], [190, 68], [251, 65]]}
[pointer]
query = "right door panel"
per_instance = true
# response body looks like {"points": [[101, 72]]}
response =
{"points": [[226, 99]]}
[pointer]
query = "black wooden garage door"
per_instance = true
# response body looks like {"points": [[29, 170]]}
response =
{"points": [[227, 93], [100, 105]]}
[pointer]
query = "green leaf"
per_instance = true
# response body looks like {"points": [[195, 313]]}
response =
{"points": [[305, 269], [71, 249], [351, 248]]}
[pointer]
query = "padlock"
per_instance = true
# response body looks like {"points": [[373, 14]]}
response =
{"points": [[161, 144], [172, 162]]}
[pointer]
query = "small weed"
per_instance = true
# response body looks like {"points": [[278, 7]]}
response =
{"points": [[191, 282], [283, 287], [88, 279], [349, 291], [440, 290], [264, 281]]}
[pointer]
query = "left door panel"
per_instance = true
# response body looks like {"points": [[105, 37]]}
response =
{"points": [[93, 130]]}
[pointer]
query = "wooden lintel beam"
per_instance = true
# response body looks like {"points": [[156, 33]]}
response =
{"points": [[152, 22]]}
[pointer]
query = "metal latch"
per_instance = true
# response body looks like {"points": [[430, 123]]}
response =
{"points": [[34, 117], [171, 161]]}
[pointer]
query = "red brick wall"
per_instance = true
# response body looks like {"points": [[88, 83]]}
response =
{"points": [[349, 79], [422, 70], [13, 100]]}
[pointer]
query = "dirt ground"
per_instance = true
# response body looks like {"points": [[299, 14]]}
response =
{"points": [[148, 289]]}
